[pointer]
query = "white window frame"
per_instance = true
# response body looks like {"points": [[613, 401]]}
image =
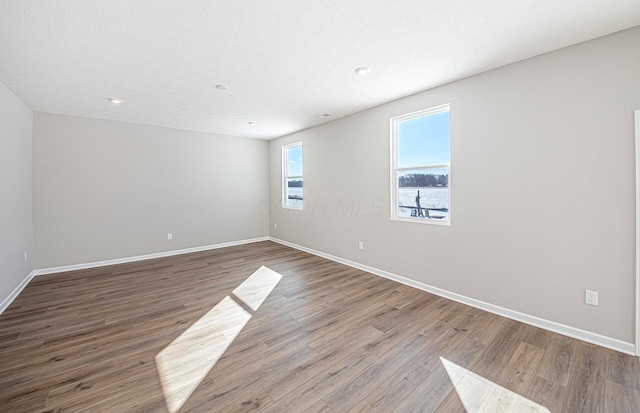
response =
{"points": [[395, 170], [285, 176]]}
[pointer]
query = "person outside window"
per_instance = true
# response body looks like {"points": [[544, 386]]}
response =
{"points": [[420, 214]]}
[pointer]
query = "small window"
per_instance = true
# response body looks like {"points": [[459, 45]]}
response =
{"points": [[421, 167], [292, 176]]}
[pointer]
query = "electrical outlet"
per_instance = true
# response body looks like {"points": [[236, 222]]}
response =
{"points": [[25, 257], [591, 297], [360, 245], [169, 236], [275, 226]]}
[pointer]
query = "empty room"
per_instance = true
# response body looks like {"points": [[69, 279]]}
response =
{"points": [[330, 206]]}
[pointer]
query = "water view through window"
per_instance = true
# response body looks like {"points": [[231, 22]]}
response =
{"points": [[421, 166], [293, 176]]}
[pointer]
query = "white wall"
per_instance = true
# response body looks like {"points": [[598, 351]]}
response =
{"points": [[542, 188], [16, 222], [106, 190]]}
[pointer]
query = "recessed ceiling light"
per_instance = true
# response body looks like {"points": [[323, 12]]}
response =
{"points": [[362, 71], [221, 87], [324, 115], [115, 101], [252, 123]]}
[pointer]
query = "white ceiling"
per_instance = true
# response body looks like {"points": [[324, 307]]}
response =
{"points": [[284, 61]]}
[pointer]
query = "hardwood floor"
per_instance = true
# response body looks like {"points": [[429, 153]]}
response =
{"points": [[178, 335]]}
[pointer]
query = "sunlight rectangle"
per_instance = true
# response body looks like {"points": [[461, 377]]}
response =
{"points": [[255, 289], [186, 361], [480, 395]]}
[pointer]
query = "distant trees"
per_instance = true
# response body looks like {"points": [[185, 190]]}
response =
{"points": [[422, 180], [408, 180]]}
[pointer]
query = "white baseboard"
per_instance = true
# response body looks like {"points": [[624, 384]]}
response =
{"points": [[594, 338], [64, 268], [589, 337], [7, 301]]}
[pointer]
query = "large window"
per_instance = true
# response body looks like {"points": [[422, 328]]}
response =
{"points": [[292, 176], [420, 167]]}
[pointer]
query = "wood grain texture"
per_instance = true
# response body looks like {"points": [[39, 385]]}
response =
{"points": [[328, 338]]}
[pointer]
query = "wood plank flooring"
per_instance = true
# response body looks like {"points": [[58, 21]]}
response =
{"points": [[328, 338]]}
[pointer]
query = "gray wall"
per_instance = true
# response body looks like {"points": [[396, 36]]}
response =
{"points": [[542, 188], [106, 190], [16, 215]]}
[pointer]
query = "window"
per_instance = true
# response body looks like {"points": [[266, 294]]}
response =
{"points": [[292, 176], [420, 167]]}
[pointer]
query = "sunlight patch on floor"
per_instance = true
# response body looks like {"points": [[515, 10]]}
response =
{"points": [[480, 395], [255, 289], [186, 361]]}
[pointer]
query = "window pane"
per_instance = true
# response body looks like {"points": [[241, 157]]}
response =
{"points": [[424, 193], [424, 140], [294, 161], [293, 196]]}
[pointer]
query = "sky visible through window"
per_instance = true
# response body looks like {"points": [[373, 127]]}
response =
{"points": [[421, 166], [294, 159], [424, 141]]}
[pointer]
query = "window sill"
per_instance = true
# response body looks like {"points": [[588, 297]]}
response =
{"points": [[428, 221]]}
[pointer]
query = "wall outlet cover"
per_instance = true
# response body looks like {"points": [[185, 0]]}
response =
{"points": [[591, 297]]}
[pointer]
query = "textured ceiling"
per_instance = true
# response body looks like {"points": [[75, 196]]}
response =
{"points": [[284, 61]]}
